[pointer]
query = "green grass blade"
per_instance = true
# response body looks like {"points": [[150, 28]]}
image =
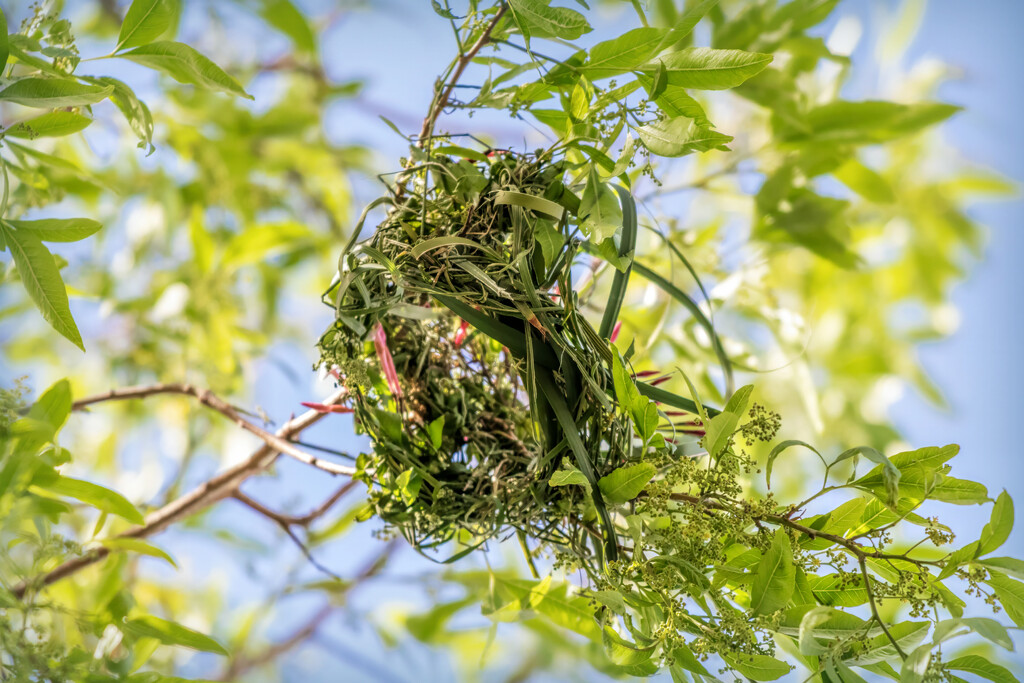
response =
{"points": [[547, 384], [627, 246]]}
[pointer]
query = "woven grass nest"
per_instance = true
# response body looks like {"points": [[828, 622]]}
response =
{"points": [[470, 365]]}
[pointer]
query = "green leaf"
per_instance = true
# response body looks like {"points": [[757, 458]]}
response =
{"points": [[1010, 594], [59, 229], [621, 651], [171, 633], [134, 110], [980, 666], [137, 545], [865, 182], [718, 431], [289, 20], [775, 578], [53, 407], [579, 102], [5, 46], [626, 483], [1007, 565], [835, 590], [185, 65], [529, 201], [53, 93], [42, 281], [95, 495], [886, 473], [600, 213], [778, 450], [691, 17], [261, 242], [550, 240], [51, 125], [737, 403], [568, 477], [807, 638], [536, 18], [989, 629], [704, 68], [145, 21], [679, 136], [625, 53], [999, 527], [879, 649], [872, 122], [756, 667]]}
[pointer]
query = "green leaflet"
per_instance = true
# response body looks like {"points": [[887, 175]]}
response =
{"points": [[679, 136], [145, 21], [537, 18], [756, 667], [42, 280], [625, 53], [999, 526], [870, 122], [51, 125], [53, 93], [529, 201], [185, 65], [600, 213], [137, 545], [171, 633], [627, 245], [1010, 594], [980, 666], [95, 495], [5, 47], [289, 20], [59, 229], [704, 68], [775, 578], [625, 483], [568, 477]]}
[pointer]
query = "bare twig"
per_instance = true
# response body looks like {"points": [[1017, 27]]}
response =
{"points": [[465, 58], [286, 526], [212, 401], [241, 665], [200, 498]]}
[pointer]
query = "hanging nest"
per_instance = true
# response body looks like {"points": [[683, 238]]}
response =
{"points": [[470, 365]]}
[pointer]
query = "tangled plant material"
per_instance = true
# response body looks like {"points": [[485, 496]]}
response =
{"points": [[535, 424], [465, 434]]}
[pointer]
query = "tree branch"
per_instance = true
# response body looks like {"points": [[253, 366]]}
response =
{"points": [[242, 664], [219, 487], [212, 401], [855, 548], [464, 59]]}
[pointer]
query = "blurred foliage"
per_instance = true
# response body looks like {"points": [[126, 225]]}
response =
{"points": [[821, 280]]}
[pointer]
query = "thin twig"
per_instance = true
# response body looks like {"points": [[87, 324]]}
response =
{"points": [[286, 526], [200, 498], [241, 665], [212, 401], [874, 607], [464, 59], [858, 551]]}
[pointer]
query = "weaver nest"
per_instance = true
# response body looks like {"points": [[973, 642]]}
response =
{"points": [[474, 379]]}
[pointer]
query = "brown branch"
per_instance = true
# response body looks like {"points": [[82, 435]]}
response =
{"points": [[858, 550], [219, 487], [446, 93], [286, 522], [874, 608], [210, 400], [242, 665]]}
